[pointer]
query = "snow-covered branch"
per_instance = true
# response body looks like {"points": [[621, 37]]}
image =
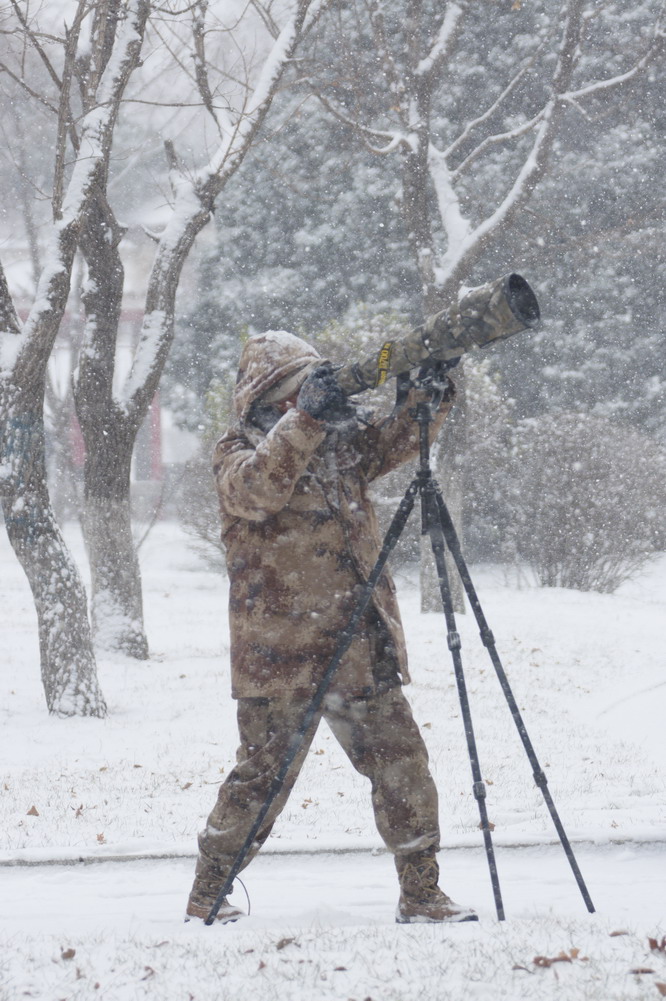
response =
{"points": [[496, 140], [469, 240], [65, 125], [456, 226], [194, 196], [598, 86], [489, 112], [531, 170], [439, 52], [96, 134]]}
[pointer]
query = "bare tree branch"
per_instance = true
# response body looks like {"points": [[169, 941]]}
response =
{"points": [[365, 132], [96, 135], [390, 67], [455, 260], [65, 119], [654, 52], [264, 13], [491, 110], [200, 68], [431, 65], [496, 140], [33, 39], [195, 195], [32, 93]]}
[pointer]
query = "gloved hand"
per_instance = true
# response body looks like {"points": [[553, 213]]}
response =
{"points": [[321, 397]]}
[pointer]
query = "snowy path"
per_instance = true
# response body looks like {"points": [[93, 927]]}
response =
{"points": [[627, 884], [322, 929]]}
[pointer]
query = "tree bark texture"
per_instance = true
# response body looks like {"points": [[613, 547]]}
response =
{"points": [[67, 657], [68, 668], [109, 435], [116, 593]]}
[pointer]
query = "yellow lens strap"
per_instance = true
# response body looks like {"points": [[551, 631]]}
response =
{"points": [[384, 363]]}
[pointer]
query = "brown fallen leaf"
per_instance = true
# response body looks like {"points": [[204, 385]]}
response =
{"points": [[67, 953], [657, 946], [661, 988], [284, 942], [33, 812], [614, 934], [575, 954], [545, 961], [491, 826]]}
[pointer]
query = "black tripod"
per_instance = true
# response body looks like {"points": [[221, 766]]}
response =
{"points": [[437, 523]]}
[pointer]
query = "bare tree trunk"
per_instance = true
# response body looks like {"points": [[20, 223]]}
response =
{"points": [[109, 435], [116, 601], [67, 659], [110, 423], [68, 667], [63, 475], [447, 460]]}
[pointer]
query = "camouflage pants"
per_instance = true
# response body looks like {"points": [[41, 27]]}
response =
{"points": [[380, 738]]}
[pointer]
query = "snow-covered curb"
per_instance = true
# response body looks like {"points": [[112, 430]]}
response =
{"points": [[68, 856]]}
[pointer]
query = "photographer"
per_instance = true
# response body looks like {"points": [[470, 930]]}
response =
{"points": [[300, 532]]}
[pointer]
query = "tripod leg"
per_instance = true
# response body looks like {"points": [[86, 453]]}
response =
{"points": [[488, 641], [311, 713], [433, 528]]}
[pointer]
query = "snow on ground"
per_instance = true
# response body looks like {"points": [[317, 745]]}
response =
{"points": [[322, 928], [587, 672]]}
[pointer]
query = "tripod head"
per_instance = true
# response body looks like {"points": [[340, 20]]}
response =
{"points": [[431, 378]]}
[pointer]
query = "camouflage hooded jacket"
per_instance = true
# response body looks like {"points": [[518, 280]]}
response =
{"points": [[301, 534]]}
